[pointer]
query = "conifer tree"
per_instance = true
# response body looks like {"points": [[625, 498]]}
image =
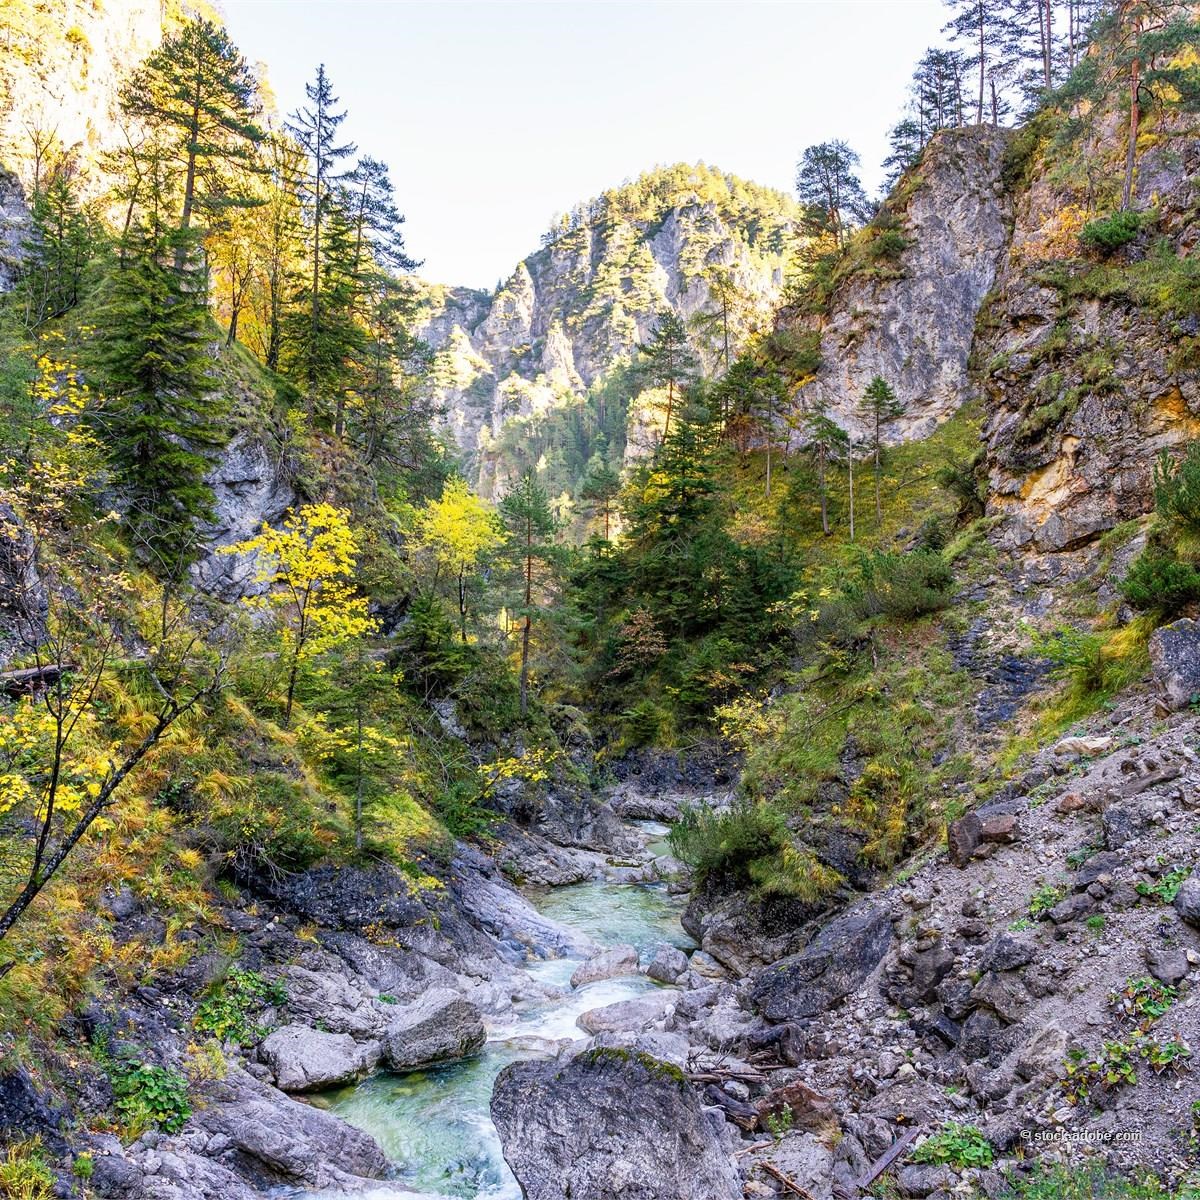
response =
{"points": [[526, 513], [878, 406], [667, 361], [199, 99], [827, 184], [62, 242], [826, 443], [161, 419], [599, 491], [315, 128], [979, 26]]}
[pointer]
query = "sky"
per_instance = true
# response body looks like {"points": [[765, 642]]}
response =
{"points": [[494, 117]]}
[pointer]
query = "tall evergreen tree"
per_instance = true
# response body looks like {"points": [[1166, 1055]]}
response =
{"points": [[879, 405], [161, 418], [827, 184], [315, 128], [826, 442], [199, 99], [667, 361], [527, 514], [599, 490], [979, 27]]}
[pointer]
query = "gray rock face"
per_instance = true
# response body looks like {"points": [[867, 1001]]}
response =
{"points": [[828, 969], [609, 1125], [441, 1025], [14, 228], [915, 325], [1175, 657], [248, 490], [306, 1060], [24, 606]]}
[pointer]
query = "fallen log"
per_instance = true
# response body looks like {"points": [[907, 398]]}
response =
{"points": [[29, 680], [791, 1185]]}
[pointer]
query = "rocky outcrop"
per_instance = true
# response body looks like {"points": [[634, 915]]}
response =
{"points": [[573, 310], [1175, 657], [441, 1025], [249, 490], [307, 1060], [610, 1125], [14, 228], [911, 317]]}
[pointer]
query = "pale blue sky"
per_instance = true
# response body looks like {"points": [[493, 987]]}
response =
{"points": [[495, 116]]}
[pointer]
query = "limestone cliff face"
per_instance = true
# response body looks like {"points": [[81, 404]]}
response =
{"points": [[580, 305], [63, 68], [1090, 365], [910, 317]]}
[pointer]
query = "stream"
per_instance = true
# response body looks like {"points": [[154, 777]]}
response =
{"points": [[436, 1122]]}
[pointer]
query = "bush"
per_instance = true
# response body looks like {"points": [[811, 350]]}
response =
{"points": [[1108, 234], [1087, 1182], [226, 1011], [1177, 492], [25, 1173], [750, 845], [956, 1145], [1159, 582], [149, 1097], [903, 586]]}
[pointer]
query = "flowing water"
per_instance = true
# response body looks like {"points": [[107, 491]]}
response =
{"points": [[436, 1122]]}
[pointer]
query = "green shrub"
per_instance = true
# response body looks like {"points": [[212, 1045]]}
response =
{"points": [[750, 845], [1108, 234], [149, 1097], [956, 1145], [1177, 491], [902, 586], [25, 1173], [1088, 1182], [225, 1013], [1161, 583], [460, 808]]}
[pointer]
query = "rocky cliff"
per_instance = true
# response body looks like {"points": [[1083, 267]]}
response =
{"points": [[677, 238]]}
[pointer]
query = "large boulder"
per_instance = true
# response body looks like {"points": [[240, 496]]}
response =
{"points": [[307, 1060], [828, 969], [617, 960], [628, 1015], [1187, 899], [441, 1025], [1175, 657], [610, 1125]]}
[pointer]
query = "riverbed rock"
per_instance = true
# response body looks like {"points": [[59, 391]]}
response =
{"points": [[610, 1125], [621, 959], [831, 966], [307, 1060], [440, 1026], [665, 963], [625, 1015], [1187, 899]]}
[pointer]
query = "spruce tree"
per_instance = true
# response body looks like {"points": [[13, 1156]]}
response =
{"points": [[599, 491], [826, 443], [161, 418], [878, 406], [315, 128], [62, 242], [667, 361], [199, 99], [527, 515]]}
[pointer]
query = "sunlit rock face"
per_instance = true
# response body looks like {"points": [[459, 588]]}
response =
{"points": [[516, 359]]}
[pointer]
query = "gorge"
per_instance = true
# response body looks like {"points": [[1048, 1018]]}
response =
{"points": [[713, 717]]}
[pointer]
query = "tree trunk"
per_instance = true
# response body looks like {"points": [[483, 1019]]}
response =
{"points": [[850, 464], [525, 631], [462, 604], [824, 494], [1131, 144], [982, 60]]}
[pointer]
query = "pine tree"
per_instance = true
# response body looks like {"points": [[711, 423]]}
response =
{"points": [[878, 406], [907, 141], [828, 185], [315, 128], [199, 99], [531, 525], [161, 419], [667, 361], [979, 26]]}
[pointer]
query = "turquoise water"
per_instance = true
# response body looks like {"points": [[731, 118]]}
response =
{"points": [[436, 1123]]}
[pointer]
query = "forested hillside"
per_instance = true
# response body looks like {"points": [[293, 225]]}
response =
{"points": [[732, 690]]}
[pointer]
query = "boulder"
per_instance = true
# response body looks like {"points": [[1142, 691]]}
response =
{"points": [[810, 1111], [619, 960], [610, 1125], [963, 838], [441, 1025], [307, 1060], [1005, 953], [1187, 899], [628, 1015], [1000, 827], [1175, 659], [828, 969], [1169, 966], [807, 1161], [665, 963], [1073, 908], [1004, 994], [1044, 1055]]}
